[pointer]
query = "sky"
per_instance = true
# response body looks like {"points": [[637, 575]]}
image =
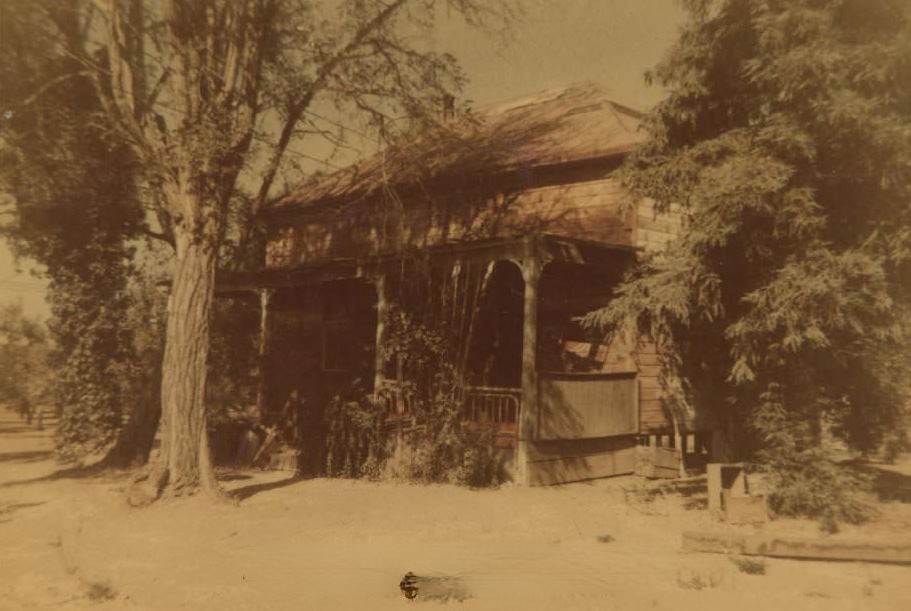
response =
{"points": [[558, 43]]}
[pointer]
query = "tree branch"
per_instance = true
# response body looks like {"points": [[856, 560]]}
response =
{"points": [[297, 110], [161, 236], [51, 84]]}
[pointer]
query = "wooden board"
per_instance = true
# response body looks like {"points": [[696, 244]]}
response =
{"points": [[897, 551], [587, 406], [571, 469], [655, 462], [590, 209], [554, 449]]}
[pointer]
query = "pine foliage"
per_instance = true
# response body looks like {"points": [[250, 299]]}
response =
{"points": [[785, 140]]}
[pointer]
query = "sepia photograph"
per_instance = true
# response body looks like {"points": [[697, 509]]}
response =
{"points": [[455, 304]]}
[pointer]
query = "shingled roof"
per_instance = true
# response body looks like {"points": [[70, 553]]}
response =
{"points": [[548, 129]]}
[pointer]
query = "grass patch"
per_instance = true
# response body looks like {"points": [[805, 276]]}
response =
{"points": [[100, 592], [749, 566], [690, 580]]}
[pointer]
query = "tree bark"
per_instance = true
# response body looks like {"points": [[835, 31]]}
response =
{"points": [[185, 464]]}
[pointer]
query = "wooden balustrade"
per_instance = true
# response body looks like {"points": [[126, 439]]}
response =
{"points": [[482, 406]]}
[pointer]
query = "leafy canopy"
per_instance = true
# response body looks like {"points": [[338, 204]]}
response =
{"points": [[23, 360], [73, 207], [786, 142]]}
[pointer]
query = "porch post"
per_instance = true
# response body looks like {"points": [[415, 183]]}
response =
{"points": [[528, 413], [382, 315], [265, 321]]}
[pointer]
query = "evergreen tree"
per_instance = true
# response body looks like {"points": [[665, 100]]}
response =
{"points": [[786, 141]]}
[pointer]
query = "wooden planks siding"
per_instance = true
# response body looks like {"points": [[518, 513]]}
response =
{"points": [[652, 233], [652, 396], [652, 230], [570, 461], [586, 406], [597, 210]]}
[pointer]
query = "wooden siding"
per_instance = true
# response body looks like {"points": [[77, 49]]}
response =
{"points": [[594, 207], [653, 231], [653, 397], [298, 381], [574, 406], [597, 210], [641, 359], [558, 462]]}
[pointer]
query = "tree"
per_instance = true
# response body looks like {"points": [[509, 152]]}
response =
{"points": [[786, 141], [23, 361], [200, 92], [74, 210]]}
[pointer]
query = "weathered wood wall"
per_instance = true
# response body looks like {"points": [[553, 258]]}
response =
{"points": [[653, 398], [653, 231], [557, 462], [298, 382], [597, 210], [573, 406], [590, 206]]}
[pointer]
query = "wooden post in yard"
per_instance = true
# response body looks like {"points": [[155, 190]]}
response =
{"points": [[531, 273], [265, 299], [382, 315]]}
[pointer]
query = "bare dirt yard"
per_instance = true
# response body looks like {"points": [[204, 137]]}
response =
{"points": [[70, 541]]}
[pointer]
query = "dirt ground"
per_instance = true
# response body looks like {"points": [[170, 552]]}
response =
{"points": [[72, 542]]}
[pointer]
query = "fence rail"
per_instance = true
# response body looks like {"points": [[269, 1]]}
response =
{"points": [[482, 406]]}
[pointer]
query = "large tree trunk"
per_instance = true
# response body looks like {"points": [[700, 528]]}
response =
{"points": [[184, 463]]}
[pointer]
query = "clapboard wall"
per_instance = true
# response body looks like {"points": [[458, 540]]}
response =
{"points": [[598, 210]]}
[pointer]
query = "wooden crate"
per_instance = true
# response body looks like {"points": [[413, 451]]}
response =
{"points": [[655, 462]]}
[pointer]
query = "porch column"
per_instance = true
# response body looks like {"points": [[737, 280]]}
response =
{"points": [[265, 321], [382, 316], [528, 413]]}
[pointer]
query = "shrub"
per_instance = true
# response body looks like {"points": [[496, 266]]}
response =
{"points": [[443, 450], [803, 478], [355, 444], [807, 483], [894, 445], [435, 446], [23, 361], [749, 565], [691, 580]]}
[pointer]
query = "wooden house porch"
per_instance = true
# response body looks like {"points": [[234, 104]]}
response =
{"points": [[538, 213], [562, 406]]}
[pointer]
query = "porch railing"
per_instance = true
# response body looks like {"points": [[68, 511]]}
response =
{"points": [[496, 408]]}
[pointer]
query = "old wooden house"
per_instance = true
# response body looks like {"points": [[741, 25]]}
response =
{"points": [[525, 204]]}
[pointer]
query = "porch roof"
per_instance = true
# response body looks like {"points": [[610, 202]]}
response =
{"points": [[545, 247]]}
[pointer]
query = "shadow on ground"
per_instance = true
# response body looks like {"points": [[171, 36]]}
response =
{"points": [[67, 473], [692, 490], [232, 477], [32, 456], [8, 509], [246, 492], [889, 482]]}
